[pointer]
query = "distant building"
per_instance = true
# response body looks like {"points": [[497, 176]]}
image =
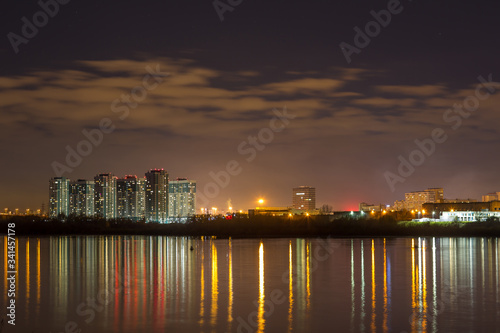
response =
{"points": [[415, 200], [131, 198], [436, 208], [399, 205], [181, 199], [58, 196], [156, 196], [365, 207], [353, 215], [491, 197], [304, 198], [105, 196], [459, 200], [81, 197], [467, 216], [270, 211]]}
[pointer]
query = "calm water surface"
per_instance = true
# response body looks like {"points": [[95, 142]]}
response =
{"points": [[156, 284]]}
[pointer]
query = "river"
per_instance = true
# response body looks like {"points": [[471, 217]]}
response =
{"points": [[158, 284]]}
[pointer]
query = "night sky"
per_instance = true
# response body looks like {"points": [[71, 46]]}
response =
{"points": [[219, 82]]}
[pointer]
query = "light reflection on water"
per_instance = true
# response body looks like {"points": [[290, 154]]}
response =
{"points": [[137, 283]]}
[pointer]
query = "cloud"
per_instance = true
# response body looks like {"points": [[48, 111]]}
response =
{"points": [[380, 102], [194, 121], [301, 86], [423, 91]]}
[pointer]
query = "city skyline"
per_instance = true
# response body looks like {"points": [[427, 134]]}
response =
{"points": [[181, 200], [152, 198], [122, 207]]}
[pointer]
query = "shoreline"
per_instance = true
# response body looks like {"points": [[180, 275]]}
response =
{"points": [[246, 228]]}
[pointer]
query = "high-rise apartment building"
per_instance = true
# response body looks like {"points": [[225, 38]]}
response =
{"points": [[156, 196], [181, 199], [81, 197], [105, 196], [131, 197], [58, 196], [304, 198]]}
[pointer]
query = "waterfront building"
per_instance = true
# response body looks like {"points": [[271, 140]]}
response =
{"points": [[131, 197], [468, 216], [105, 196], [304, 198], [81, 197], [181, 199], [365, 207], [435, 209], [156, 196]]}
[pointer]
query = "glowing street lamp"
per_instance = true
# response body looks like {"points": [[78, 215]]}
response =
{"points": [[261, 201]]}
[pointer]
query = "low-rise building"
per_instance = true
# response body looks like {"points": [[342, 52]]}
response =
{"points": [[365, 207], [494, 196], [437, 208], [467, 216]]}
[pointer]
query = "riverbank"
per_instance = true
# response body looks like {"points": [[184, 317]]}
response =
{"points": [[255, 227]]}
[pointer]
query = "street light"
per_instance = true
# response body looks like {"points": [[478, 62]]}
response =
{"points": [[261, 201]]}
